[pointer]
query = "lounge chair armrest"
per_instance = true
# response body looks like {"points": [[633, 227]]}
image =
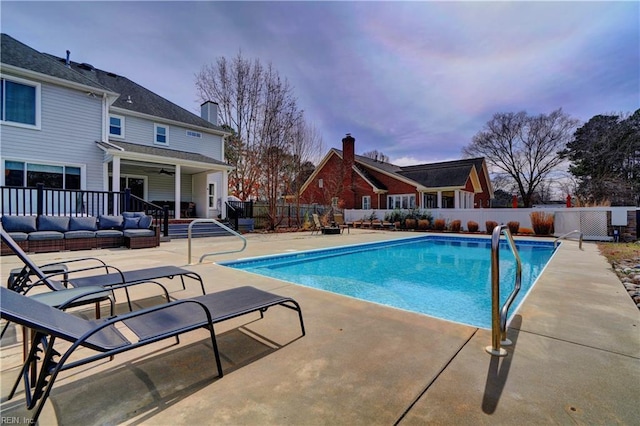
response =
{"points": [[80, 259], [88, 292], [90, 268]]}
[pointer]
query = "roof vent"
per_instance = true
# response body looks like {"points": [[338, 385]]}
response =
{"points": [[86, 66]]}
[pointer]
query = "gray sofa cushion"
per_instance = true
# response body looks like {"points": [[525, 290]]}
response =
{"points": [[19, 236], [132, 233], [108, 233], [53, 223], [110, 222], [71, 235], [88, 223], [45, 235], [19, 223]]}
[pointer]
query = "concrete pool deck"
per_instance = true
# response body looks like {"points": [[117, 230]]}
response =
{"points": [[575, 357]]}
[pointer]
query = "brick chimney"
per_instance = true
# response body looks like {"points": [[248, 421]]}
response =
{"points": [[348, 160]]}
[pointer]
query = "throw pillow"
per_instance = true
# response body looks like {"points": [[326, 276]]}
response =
{"points": [[131, 222], [145, 222]]}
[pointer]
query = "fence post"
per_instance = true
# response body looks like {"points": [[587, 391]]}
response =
{"points": [[165, 224], [127, 199], [39, 199]]}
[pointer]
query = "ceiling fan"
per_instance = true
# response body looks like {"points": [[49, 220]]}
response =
{"points": [[166, 172], [161, 171]]}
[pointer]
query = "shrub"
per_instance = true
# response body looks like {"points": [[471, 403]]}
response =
{"points": [[490, 224], [426, 214], [513, 227], [472, 226], [542, 223], [439, 224], [394, 216], [423, 224], [456, 225]]}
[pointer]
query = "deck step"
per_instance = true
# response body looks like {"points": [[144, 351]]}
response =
{"points": [[200, 230]]}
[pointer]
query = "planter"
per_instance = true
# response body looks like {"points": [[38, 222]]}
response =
{"points": [[245, 225]]}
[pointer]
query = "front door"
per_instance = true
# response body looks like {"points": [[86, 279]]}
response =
{"points": [[211, 202]]}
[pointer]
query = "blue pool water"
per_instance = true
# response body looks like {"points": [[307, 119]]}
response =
{"points": [[444, 277]]}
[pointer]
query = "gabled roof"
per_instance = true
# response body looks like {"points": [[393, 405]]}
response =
{"points": [[136, 98], [19, 55], [438, 175]]}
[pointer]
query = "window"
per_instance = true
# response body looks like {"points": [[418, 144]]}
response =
{"points": [[366, 202], [430, 201], [20, 102], [407, 201], [21, 174], [193, 134], [116, 126], [212, 195], [162, 134], [334, 202]]}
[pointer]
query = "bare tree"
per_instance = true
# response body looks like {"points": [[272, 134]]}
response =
{"points": [[237, 87], [377, 156], [523, 148], [267, 144]]}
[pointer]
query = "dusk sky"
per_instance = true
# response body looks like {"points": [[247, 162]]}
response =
{"points": [[413, 80]]}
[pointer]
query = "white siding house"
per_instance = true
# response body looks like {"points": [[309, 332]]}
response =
{"points": [[71, 125]]}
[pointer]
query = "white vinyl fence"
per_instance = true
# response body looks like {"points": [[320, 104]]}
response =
{"points": [[591, 221]]}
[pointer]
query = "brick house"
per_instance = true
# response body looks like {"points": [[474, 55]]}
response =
{"points": [[352, 181]]}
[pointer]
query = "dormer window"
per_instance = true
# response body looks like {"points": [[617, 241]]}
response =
{"points": [[161, 134]]}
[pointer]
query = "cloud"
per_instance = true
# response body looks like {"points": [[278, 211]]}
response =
{"points": [[414, 80]]}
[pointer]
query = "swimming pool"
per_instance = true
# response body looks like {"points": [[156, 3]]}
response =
{"points": [[444, 277]]}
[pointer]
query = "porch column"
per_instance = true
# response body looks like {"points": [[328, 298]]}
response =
{"points": [[439, 199], [177, 195], [115, 183], [456, 199]]}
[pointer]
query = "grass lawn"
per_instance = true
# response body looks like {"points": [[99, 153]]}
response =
{"points": [[616, 252]]}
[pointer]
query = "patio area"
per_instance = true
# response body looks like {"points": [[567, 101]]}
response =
{"points": [[575, 358]]}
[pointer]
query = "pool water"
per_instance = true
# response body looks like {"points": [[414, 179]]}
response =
{"points": [[444, 277]]}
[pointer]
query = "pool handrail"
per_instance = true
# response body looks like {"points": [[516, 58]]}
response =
{"points": [[564, 237], [223, 226], [499, 314]]}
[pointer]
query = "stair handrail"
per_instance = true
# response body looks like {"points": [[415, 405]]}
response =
{"points": [[499, 314], [223, 226], [564, 237]]}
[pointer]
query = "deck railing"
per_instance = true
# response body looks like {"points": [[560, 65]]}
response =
{"points": [[38, 200]]}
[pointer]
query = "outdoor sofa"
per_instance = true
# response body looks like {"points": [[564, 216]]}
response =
{"points": [[38, 234]]}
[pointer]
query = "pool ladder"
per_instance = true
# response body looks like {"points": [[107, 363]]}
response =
{"points": [[564, 237], [499, 314]]}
